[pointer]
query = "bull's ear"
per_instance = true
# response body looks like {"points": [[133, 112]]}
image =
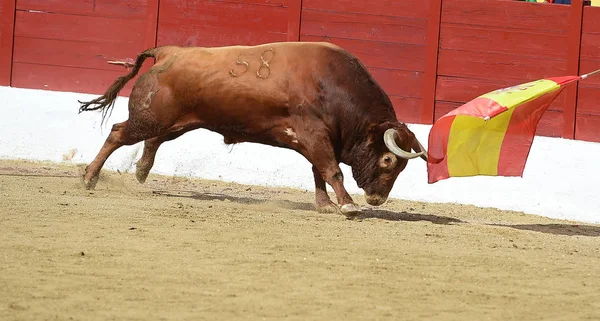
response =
{"points": [[375, 132]]}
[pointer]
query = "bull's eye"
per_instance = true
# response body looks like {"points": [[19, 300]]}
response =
{"points": [[388, 161]]}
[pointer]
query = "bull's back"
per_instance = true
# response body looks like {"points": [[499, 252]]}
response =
{"points": [[242, 81]]}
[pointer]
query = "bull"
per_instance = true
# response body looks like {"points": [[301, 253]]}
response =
{"points": [[312, 97]]}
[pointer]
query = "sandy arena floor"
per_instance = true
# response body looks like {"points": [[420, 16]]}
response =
{"points": [[181, 249]]}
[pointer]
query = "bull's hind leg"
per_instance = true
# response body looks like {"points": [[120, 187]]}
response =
{"points": [[120, 134], [144, 165]]}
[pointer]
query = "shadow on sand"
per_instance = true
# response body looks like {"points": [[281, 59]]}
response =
{"points": [[404, 216], [291, 205], [556, 229]]}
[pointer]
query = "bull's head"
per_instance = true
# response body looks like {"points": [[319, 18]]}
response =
{"points": [[383, 157]]}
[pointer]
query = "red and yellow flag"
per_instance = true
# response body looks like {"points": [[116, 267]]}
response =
{"points": [[492, 134]]}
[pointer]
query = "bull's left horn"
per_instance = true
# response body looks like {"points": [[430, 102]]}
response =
{"points": [[389, 137]]}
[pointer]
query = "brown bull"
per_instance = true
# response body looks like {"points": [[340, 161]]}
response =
{"points": [[314, 98]]}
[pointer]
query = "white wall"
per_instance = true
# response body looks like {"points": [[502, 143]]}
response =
{"points": [[560, 180]]}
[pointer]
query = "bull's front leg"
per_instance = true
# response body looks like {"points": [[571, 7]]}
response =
{"points": [[327, 169], [322, 201], [332, 174]]}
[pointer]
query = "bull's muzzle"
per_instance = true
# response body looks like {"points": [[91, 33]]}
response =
{"points": [[375, 199]]}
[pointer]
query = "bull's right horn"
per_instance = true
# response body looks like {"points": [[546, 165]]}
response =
{"points": [[389, 137]]}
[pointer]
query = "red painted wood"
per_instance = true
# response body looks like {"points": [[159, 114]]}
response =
{"points": [[574, 46], [587, 128], [208, 23], [591, 19], [589, 101], [79, 28], [62, 78], [444, 107], [131, 9], [507, 14], [380, 54], [399, 82], [272, 3], [294, 20], [7, 24], [531, 43], [431, 62], [58, 6], [192, 35], [363, 27], [590, 46], [408, 109], [238, 16], [405, 8], [483, 65], [151, 23], [89, 55]]}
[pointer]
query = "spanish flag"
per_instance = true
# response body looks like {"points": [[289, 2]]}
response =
{"points": [[492, 134]]}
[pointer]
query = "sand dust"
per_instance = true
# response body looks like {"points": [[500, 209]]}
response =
{"points": [[181, 249]]}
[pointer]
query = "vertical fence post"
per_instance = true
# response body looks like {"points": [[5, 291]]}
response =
{"points": [[151, 24], [431, 61], [294, 19], [574, 47], [7, 36]]}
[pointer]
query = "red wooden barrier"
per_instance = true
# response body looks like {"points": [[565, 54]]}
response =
{"points": [[574, 42], [294, 18], [64, 45], [431, 61], [220, 23], [490, 44], [389, 37], [7, 24], [587, 118], [430, 56]]}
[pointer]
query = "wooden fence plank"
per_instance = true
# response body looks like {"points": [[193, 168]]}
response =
{"points": [[506, 14], [587, 128], [431, 62], [294, 20], [7, 27], [79, 28], [403, 8], [364, 27], [574, 47], [151, 23], [380, 54]]}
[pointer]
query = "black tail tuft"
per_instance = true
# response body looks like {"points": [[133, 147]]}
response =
{"points": [[106, 102]]}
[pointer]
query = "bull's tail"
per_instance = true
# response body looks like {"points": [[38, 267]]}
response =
{"points": [[106, 102]]}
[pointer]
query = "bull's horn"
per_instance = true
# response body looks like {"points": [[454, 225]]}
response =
{"points": [[422, 148], [389, 137]]}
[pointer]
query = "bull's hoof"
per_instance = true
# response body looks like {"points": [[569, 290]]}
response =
{"points": [[91, 183], [350, 209], [327, 208], [141, 175]]}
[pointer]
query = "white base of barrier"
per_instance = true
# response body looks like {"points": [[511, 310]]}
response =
{"points": [[45, 125]]}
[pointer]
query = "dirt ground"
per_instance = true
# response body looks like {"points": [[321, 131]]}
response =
{"points": [[182, 249]]}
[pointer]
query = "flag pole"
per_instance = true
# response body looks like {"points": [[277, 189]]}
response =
{"points": [[589, 74]]}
